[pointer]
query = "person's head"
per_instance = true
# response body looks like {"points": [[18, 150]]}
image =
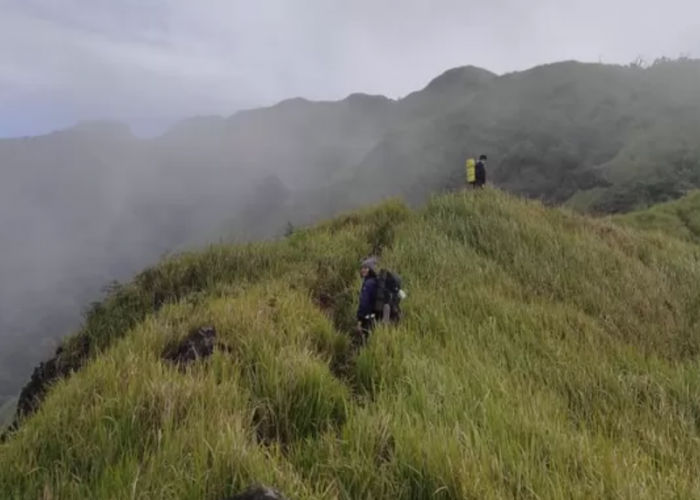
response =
{"points": [[482, 158], [368, 266]]}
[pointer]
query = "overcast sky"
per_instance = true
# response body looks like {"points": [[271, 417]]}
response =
{"points": [[150, 61]]}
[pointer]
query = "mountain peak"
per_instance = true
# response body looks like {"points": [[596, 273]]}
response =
{"points": [[462, 76], [293, 102]]}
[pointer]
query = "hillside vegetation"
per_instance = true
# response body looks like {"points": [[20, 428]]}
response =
{"points": [[103, 204], [679, 218], [543, 355], [601, 138]]}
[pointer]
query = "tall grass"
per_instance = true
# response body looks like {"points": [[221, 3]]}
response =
{"points": [[542, 355], [679, 218]]}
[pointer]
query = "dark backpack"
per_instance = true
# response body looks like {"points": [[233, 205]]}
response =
{"points": [[388, 286]]}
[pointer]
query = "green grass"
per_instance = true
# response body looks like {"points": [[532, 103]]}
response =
{"points": [[544, 355], [679, 218], [581, 201]]}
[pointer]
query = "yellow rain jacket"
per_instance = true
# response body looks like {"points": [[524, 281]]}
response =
{"points": [[471, 170]]}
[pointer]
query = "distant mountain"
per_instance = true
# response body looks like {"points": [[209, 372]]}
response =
{"points": [[556, 130], [601, 138]]}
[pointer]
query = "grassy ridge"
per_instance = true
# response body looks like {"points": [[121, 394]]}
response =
{"points": [[543, 355]]}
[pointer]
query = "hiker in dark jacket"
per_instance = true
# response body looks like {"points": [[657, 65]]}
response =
{"points": [[480, 172], [368, 296]]}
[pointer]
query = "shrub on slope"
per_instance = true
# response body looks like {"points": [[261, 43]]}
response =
{"points": [[543, 355], [679, 218]]}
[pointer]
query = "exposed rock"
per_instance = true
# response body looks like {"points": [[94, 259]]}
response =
{"points": [[61, 365], [198, 344], [259, 492]]}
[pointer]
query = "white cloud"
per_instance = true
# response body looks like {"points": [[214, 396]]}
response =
{"points": [[136, 59]]}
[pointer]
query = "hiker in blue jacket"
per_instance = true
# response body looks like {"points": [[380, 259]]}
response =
{"points": [[368, 297]]}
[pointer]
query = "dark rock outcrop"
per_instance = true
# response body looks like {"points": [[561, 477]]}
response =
{"points": [[61, 365], [259, 492], [198, 344]]}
